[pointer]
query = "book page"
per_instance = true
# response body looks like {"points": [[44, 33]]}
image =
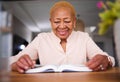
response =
{"points": [[73, 68], [47, 68]]}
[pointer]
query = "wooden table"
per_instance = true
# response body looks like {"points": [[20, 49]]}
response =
{"points": [[111, 75]]}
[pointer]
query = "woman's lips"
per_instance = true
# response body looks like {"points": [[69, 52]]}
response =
{"points": [[62, 32]]}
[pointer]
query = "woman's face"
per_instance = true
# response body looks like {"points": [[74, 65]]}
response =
{"points": [[62, 22]]}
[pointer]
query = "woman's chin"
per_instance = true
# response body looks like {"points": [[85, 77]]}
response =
{"points": [[63, 37]]}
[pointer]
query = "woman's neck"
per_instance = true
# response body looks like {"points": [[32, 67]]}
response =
{"points": [[63, 44]]}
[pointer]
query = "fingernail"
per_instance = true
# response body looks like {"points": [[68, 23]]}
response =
{"points": [[21, 71], [34, 62], [26, 67]]}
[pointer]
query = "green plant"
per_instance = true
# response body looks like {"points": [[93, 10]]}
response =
{"points": [[109, 15]]}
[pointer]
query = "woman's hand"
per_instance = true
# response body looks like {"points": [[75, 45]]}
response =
{"points": [[23, 63], [99, 63]]}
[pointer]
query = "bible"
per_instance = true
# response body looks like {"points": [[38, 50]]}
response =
{"points": [[61, 68]]}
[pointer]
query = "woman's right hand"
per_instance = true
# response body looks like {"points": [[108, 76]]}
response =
{"points": [[23, 63]]}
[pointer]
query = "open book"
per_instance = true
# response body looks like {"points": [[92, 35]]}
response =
{"points": [[61, 68]]}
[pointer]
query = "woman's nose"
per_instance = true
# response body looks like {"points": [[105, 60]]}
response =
{"points": [[62, 25]]}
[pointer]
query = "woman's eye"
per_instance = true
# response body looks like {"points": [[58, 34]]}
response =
{"points": [[56, 22], [67, 21]]}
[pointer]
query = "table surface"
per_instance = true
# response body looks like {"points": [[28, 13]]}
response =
{"points": [[111, 75]]}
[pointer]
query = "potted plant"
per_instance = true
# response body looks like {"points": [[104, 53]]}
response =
{"points": [[110, 14]]}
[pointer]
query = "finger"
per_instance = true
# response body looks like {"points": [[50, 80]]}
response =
{"points": [[105, 64], [98, 68], [34, 62], [24, 62], [29, 61], [93, 60], [102, 66], [20, 70], [94, 66], [21, 65], [94, 63]]}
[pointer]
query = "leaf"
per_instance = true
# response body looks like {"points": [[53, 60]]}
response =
{"points": [[102, 28]]}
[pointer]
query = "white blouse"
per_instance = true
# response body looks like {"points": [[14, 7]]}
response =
{"points": [[46, 46]]}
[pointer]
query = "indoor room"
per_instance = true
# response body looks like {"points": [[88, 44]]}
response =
{"points": [[21, 21]]}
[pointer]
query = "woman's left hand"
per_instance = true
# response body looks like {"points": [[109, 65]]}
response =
{"points": [[99, 63]]}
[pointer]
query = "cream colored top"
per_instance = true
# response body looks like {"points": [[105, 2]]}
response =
{"points": [[46, 46]]}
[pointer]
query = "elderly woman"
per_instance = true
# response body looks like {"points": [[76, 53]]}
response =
{"points": [[62, 45]]}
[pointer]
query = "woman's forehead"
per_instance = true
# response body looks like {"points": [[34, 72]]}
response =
{"points": [[62, 11]]}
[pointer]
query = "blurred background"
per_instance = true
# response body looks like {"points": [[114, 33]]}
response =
{"points": [[22, 20]]}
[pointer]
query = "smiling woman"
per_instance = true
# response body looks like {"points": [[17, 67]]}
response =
{"points": [[62, 45]]}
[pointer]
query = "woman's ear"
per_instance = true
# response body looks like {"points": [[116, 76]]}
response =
{"points": [[50, 19]]}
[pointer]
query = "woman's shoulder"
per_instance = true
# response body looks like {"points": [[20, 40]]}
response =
{"points": [[81, 34], [44, 34]]}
